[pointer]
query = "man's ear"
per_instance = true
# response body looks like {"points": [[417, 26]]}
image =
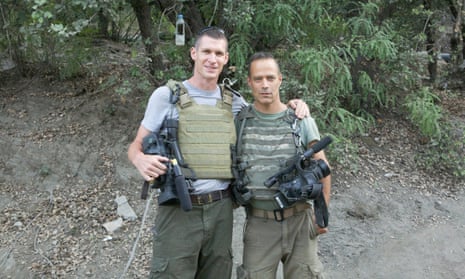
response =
{"points": [[193, 53]]}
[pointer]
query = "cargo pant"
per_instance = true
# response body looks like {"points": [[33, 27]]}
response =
{"points": [[292, 241], [194, 244]]}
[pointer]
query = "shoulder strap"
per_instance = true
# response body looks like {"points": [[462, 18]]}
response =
{"points": [[228, 92], [294, 122], [178, 93], [227, 95], [245, 112], [241, 120]]}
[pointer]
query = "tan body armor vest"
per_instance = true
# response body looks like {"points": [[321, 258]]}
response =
{"points": [[205, 134]]}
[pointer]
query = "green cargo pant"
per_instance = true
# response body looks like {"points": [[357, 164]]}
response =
{"points": [[194, 244], [292, 241]]}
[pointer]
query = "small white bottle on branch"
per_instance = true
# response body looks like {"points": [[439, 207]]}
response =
{"points": [[180, 37]]}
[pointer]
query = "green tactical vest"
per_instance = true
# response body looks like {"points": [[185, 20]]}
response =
{"points": [[266, 146], [205, 133]]}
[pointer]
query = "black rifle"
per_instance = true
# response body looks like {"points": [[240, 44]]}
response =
{"points": [[306, 185]]}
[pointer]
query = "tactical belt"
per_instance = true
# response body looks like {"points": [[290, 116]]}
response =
{"points": [[214, 196], [278, 214]]}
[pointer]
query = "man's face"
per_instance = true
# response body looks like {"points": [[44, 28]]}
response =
{"points": [[209, 56], [264, 81]]}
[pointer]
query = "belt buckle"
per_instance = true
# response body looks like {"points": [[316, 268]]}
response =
{"points": [[278, 212], [210, 198]]}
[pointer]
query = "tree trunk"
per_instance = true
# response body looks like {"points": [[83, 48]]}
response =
{"points": [[458, 35], [196, 22], [459, 32], [143, 13], [430, 49], [103, 24]]}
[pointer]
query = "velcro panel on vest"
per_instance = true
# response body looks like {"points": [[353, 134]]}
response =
{"points": [[205, 135]]}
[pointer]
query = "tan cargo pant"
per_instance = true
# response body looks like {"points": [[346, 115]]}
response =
{"points": [[194, 244], [292, 241]]}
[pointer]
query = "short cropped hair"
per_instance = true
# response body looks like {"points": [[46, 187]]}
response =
{"points": [[212, 32], [261, 55]]}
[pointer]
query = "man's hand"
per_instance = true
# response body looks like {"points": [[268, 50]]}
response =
{"points": [[321, 230], [150, 166], [300, 107]]}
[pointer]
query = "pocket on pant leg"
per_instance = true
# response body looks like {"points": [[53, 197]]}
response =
{"points": [[241, 273], [168, 268], [306, 271], [159, 266], [312, 229]]}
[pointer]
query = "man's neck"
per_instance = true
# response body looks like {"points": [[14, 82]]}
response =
{"points": [[204, 84], [270, 108]]}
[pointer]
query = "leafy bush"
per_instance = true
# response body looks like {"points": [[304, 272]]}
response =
{"points": [[446, 154], [425, 113]]}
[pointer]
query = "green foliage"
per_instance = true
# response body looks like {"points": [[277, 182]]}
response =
{"points": [[346, 59], [379, 46], [405, 73], [327, 76], [75, 53], [239, 51], [370, 94], [446, 154], [346, 123], [47, 32], [121, 19], [240, 18], [425, 113], [323, 65], [343, 151], [277, 18], [179, 67]]}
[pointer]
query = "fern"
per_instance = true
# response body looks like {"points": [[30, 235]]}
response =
{"points": [[425, 113], [346, 123], [380, 46]]}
